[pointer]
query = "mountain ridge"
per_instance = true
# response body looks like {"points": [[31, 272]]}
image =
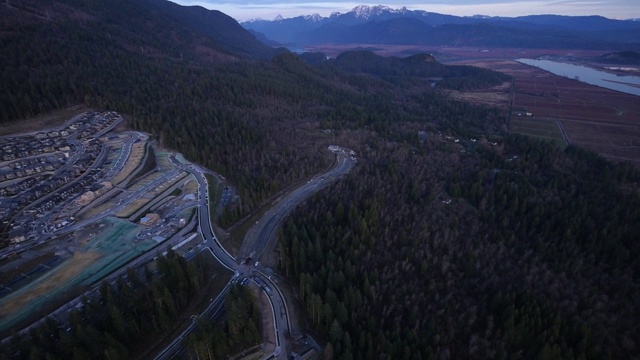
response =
{"points": [[531, 30], [218, 25], [450, 238], [156, 27]]}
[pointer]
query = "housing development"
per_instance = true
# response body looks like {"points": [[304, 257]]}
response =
{"points": [[84, 202]]}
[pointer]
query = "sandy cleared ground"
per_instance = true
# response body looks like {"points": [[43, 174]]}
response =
{"points": [[150, 196], [133, 162], [94, 210], [54, 281], [268, 337], [162, 157], [129, 210], [191, 186]]}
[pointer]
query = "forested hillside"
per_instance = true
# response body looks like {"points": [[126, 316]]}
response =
{"points": [[512, 251], [221, 111], [238, 331], [417, 68], [450, 238], [247, 120], [127, 317]]}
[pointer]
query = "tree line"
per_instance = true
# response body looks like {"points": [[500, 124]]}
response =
{"points": [[239, 329], [126, 317]]}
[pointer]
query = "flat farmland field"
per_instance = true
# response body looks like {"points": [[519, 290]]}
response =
{"points": [[542, 128], [599, 119], [448, 54], [617, 142], [551, 95], [595, 118]]}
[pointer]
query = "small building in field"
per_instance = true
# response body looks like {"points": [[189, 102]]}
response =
{"points": [[149, 219]]}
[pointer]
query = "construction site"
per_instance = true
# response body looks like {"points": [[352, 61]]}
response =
{"points": [[142, 202]]}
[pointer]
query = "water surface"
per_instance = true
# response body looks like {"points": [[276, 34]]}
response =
{"points": [[625, 83]]}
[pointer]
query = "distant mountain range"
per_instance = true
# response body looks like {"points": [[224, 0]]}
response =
{"points": [[385, 25]]}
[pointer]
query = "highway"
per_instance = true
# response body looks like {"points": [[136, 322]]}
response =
{"points": [[261, 235], [214, 308], [258, 238], [212, 245]]}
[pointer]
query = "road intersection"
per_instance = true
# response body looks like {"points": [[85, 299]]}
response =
{"points": [[260, 235]]}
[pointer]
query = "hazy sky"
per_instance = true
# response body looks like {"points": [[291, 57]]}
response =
{"points": [[268, 9]]}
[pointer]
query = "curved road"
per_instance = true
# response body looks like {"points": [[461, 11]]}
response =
{"points": [[258, 238]]}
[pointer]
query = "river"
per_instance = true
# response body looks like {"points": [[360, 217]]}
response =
{"points": [[624, 83]]}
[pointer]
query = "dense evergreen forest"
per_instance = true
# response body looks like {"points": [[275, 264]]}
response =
{"points": [[415, 69], [127, 316], [513, 251], [430, 248], [239, 330]]}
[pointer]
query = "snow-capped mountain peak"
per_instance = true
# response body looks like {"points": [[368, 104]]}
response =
{"points": [[278, 18], [366, 11], [313, 17]]}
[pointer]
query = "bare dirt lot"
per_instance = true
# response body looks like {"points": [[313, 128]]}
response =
{"points": [[97, 251], [133, 162]]}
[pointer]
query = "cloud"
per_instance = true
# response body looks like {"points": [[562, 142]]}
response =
{"points": [[268, 9]]}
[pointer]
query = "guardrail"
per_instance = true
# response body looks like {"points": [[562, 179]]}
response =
{"points": [[284, 303], [275, 319]]}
